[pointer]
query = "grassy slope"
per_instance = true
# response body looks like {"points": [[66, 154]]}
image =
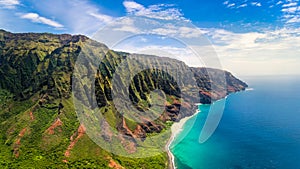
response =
{"points": [[35, 72], [38, 149]]}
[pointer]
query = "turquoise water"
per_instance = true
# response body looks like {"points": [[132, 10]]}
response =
{"points": [[260, 129]]}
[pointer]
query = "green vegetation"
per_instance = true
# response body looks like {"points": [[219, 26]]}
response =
{"points": [[39, 125]]}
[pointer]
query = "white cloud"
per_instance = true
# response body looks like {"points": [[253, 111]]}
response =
{"points": [[132, 6], [101, 17], [290, 9], [160, 11], [125, 25], [159, 20], [257, 40], [226, 2], [279, 2], [256, 4], [290, 4], [127, 28], [77, 16], [242, 6], [34, 17], [10, 4], [178, 31], [294, 19], [258, 53], [291, 12], [231, 5]]}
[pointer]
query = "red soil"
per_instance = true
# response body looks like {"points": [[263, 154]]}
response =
{"points": [[21, 134], [18, 142], [113, 164], [31, 116], [79, 133], [54, 125]]}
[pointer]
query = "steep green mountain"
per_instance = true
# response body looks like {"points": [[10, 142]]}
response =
{"points": [[40, 128]]}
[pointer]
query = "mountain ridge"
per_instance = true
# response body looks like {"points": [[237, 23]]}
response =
{"points": [[36, 71]]}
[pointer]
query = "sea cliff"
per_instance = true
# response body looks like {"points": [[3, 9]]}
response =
{"points": [[38, 118]]}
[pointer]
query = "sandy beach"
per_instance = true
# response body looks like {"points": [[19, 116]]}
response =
{"points": [[176, 128]]}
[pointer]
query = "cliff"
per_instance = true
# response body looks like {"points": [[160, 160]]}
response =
{"points": [[38, 118]]}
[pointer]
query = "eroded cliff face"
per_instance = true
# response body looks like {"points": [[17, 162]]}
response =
{"points": [[36, 70], [215, 84]]}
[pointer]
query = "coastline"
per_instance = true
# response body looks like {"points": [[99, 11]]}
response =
{"points": [[176, 128]]}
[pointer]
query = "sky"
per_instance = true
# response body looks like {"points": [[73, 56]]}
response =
{"points": [[247, 37]]}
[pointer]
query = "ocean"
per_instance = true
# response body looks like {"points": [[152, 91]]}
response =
{"points": [[260, 129]]}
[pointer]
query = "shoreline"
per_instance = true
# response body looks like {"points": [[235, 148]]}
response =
{"points": [[176, 128]]}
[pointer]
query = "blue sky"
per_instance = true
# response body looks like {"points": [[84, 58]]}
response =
{"points": [[248, 36], [233, 15]]}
